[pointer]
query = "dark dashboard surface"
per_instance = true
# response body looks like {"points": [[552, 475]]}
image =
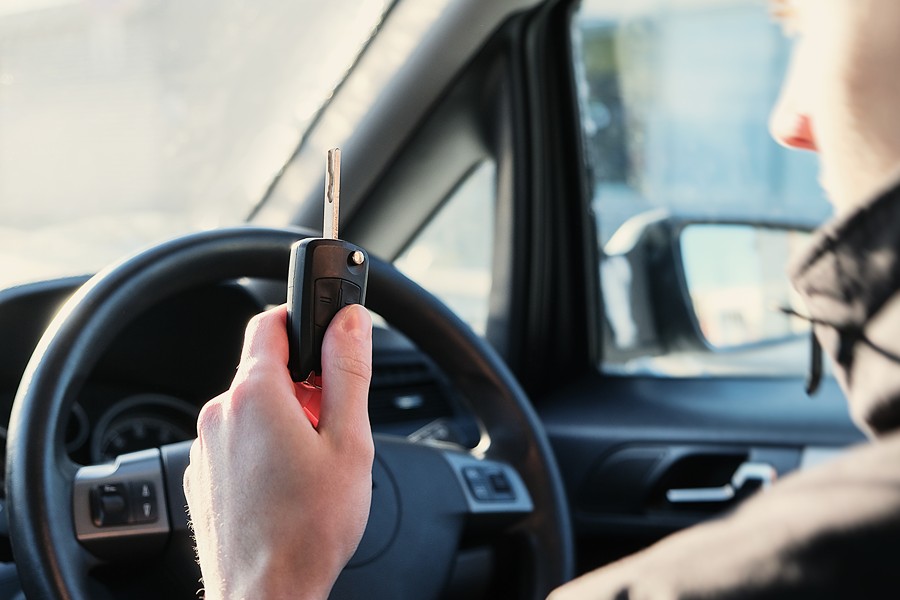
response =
{"points": [[151, 381]]}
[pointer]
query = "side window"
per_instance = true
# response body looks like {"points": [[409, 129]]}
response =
{"points": [[697, 208], [452, 255]]}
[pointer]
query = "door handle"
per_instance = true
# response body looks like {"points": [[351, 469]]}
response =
{"points": [[762, 473]]}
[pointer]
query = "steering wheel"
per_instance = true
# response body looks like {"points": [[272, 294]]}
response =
{"points": [[67, 520]]}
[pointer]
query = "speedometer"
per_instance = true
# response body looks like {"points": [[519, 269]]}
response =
{"points": [[140, 422], [138, 433]]}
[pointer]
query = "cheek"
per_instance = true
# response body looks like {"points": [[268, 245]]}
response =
{"points": [[854, 110]]}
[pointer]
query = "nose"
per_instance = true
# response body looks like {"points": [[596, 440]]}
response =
{"points": [[790, 122], [792, 128]]}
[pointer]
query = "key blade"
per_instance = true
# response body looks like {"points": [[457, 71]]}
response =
{"points": [[332, 194]]}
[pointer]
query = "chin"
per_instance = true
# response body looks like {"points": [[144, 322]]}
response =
{"points": [[830, 190], [842, 193]]}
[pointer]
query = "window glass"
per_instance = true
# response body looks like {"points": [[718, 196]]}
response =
{"points": [[452, 256], [675, 99]]}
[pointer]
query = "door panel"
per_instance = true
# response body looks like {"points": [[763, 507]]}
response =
{"points": [[624, 444]]}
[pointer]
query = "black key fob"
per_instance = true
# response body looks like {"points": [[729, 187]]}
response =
{"points": [[324, 276]]}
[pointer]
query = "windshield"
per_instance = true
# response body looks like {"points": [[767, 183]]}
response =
{"points": [[124, 122]]}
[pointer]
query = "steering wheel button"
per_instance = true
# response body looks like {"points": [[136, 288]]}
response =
{"points": [[109, 505], [481, 491], [473, 475], [500, 485], [478, 484], [143, 502], [113, 505]]}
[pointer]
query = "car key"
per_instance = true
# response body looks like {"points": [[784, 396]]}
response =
{"points": [[325, 275]]}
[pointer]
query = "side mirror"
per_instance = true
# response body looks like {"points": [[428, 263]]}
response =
{"points": [[681, 286], [736, 282]]}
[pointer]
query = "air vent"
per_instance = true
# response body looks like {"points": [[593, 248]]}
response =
{"points": [[407, 404], [405, 392], [400, 375]]}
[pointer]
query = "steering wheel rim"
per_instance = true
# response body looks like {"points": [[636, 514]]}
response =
{"points": [[51, 562]]}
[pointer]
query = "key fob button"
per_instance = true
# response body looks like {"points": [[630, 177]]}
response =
{"points": [[350, 293], [328, 297]]}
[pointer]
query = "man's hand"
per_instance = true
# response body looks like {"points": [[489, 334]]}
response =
{"points": [[278, 507]]}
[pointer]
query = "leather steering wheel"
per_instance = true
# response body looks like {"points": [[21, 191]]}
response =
{"points": [[426, 496]]}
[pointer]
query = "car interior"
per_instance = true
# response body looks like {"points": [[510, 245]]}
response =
{"points": [[577, 228]]}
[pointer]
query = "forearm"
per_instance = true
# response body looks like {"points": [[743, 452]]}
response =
{"points": [[270, 576]]}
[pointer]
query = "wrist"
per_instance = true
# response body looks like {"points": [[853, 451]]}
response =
{"points": [[270, 578]]}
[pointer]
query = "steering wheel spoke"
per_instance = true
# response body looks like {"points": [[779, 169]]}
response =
{"points": [[120, 510], [494, 490]]}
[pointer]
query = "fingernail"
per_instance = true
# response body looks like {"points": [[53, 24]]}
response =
{"points": [[357, 322]]}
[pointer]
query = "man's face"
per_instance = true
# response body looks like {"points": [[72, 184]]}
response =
{"points": [[841, 96]]}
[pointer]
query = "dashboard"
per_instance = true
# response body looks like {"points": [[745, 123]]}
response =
{"points": [[151, 381]]}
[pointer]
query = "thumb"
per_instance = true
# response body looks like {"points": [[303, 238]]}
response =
{"points": [[346, 374]]}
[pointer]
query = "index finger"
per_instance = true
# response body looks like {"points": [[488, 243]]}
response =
{"points": [[265, 344], [264, 328]]}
